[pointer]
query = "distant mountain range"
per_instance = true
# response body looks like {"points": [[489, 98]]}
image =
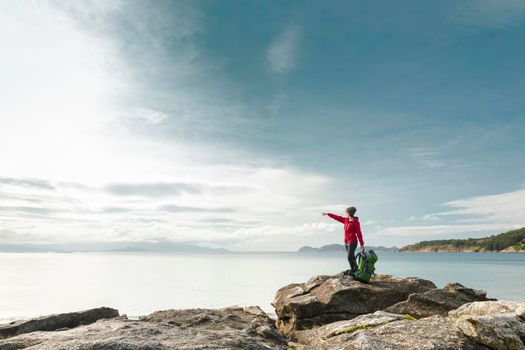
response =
{"points": [[333, 248], [512, 241], [109, 247]]}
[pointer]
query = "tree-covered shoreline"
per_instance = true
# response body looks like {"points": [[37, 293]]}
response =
{"points": [[508, 241]]}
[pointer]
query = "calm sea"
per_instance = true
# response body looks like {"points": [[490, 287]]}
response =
{"points": [[33, 284]]}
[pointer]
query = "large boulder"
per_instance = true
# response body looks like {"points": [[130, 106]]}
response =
{"points": [[227, 328], [437, 301], [497, 324], [325, 299], [58, 321]]}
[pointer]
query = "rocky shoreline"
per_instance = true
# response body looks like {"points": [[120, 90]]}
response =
{"points": [[326, 312]]}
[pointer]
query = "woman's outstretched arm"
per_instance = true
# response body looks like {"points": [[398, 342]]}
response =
{"points": [[336, 217]]}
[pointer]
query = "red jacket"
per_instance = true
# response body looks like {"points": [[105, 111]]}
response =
{"points": [[352, 228]]}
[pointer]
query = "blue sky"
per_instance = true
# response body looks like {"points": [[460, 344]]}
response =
{"points": [[234, 124]]}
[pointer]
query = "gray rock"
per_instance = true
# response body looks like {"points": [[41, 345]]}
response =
{"points": [[228, 328], [326, 299], [497, 324], [56, 322], [436, 333], [437, 301], [319, 335]]}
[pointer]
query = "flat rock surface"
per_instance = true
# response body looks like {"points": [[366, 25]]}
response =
{"points": [[228, 328], [325, 299]]}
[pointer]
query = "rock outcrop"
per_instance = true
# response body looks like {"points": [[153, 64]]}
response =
{"points": [[497, 325], [327, 312], [453, 317], [54, 322], [437, 301], [325, 299], [228, 328], [430, 333]]}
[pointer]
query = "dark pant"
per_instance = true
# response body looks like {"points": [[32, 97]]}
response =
{"points": [[350, 255]]}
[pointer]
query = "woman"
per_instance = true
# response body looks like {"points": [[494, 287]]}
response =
{"points": [[352, 234]]}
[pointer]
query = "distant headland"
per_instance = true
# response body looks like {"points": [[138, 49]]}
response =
{"points": [[508, 242]]}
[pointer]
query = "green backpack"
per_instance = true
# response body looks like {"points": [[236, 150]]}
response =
{"points": [[365, 266]]}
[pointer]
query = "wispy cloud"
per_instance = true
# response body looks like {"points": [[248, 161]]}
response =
{"points": [[151, 189], [282, 54], [26, 182], [114, 210], [158, 57], [10, 237], [437, 231], [228, 221], [503, 207], [181, 209], [431, 217], [29, 210], [429, 157], [488, 13], [149, 116], [235, 204], [489, 213]]}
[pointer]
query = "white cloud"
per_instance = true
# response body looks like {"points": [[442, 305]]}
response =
{"points": [[427, 157], [68, 155], [448, 229], [489, 213], [282, 54], [149, 116], [163, 72], [505, 207], [254, 202], [431, 217]]}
